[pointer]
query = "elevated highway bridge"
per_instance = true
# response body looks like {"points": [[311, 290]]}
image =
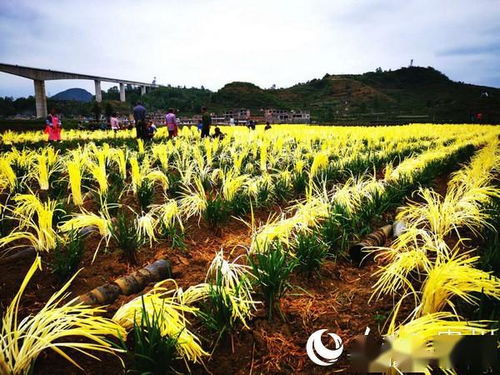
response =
{"points": [[39, 76]]}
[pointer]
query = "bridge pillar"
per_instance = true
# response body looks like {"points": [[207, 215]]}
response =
{"points": [[122, 92], [40, 98], [98, 92], [143, 90]]}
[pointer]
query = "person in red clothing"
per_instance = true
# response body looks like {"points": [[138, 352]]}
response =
{"points": [[53, 126]]}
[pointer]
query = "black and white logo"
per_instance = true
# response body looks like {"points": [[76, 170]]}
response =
{"points": [[319, 353]]}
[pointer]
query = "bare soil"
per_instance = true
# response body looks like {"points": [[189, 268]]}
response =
{"points": [[337, 298]]}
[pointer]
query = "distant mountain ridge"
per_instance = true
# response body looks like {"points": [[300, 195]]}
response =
{"points": [[408, 94], [75, 94]]}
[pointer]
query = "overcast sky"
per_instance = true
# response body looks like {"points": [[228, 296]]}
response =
{"points": [[213, 42]]}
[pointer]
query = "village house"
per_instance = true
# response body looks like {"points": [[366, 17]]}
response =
{"points": [[241, 114], [281, 116]]}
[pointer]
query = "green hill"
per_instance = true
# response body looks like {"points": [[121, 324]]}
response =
{"points": [[76, 94], [406, 94], [245, 95]]}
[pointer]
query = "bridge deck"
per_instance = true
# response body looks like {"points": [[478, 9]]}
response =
{"points": [[47, 74]]}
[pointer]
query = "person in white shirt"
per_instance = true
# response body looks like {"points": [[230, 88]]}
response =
{"points": [[114, 122]]}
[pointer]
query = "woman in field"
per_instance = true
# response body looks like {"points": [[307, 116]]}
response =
{"points": [[114, 122], [171, 122], [53, 126]]}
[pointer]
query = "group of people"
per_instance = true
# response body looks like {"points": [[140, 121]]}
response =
{"points": [[144, 129]]}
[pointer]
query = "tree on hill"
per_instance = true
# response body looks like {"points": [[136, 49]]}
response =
{"points": [[108, 110], [96, 110]]}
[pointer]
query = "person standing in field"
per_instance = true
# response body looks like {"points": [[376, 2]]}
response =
{"points": [[171, 122], [140, 120], [206, 121], [231, 121], [53, 126], [114, 122]]}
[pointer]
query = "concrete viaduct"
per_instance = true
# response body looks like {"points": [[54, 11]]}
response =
{"points": [[39, 76]]}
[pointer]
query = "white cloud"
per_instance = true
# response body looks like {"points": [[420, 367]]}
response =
{"points": [[213, 42]]}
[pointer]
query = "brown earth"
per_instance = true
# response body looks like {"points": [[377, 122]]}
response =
{"points": [[337, 298]]}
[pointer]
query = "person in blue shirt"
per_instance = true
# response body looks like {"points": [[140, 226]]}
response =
{"points": [[140, 120], [151, 130]]}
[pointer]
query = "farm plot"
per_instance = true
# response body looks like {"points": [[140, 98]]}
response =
{"points": [[223, 256]]}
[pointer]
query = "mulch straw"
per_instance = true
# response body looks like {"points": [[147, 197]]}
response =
{"points": [[282, 354]]}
